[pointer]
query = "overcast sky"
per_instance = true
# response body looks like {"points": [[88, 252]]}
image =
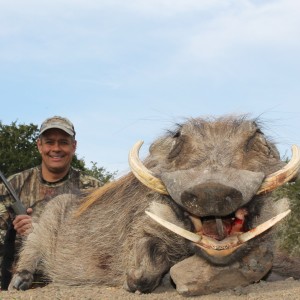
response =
{"points": [[124, 71]]}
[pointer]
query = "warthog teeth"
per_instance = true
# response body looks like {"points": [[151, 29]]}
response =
{"points": [[225, 246], [196, 222]]}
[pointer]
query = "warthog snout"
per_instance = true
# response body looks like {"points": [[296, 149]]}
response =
{"points": [[211, 199]]}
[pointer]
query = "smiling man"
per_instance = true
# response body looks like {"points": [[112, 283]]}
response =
{"points": [[57, 147], [38, 185]]}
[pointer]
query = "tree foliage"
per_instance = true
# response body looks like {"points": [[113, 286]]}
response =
{"points": [[18, 149], [100, 173], [18, 152]]}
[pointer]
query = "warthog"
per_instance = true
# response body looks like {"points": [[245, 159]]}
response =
{"points": [[209, 181]]}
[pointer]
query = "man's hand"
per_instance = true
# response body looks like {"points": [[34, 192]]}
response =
{"points": [[23, 223]]}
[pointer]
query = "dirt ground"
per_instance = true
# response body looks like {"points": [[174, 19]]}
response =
{"points": [[288, 289]]}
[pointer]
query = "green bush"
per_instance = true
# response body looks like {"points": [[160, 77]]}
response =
{"points": [[288, 235]]}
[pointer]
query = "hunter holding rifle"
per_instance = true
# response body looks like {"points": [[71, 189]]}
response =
{"points": [[38, 185]]}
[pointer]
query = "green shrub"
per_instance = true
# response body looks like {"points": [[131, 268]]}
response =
{"points": [[288, 235]]}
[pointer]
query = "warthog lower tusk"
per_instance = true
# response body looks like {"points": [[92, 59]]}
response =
{"points": [[225, 246], [180, 231], [270, 183], [246, 236]]}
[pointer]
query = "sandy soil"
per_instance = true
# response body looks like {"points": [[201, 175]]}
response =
{"points": [[288, 290]]}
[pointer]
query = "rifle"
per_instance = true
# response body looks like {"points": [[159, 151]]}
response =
{"points": [[17, 206], [9, 248]]}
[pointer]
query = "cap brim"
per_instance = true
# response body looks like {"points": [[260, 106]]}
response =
{"points": [[66, 130]]}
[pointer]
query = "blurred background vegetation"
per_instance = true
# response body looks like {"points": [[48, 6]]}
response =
{"points": [[18, 152], [289, 230]]}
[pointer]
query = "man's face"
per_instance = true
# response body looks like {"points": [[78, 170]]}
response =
{"points": [[57, 149]]}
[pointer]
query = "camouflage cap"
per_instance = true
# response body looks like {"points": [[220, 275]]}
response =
{"points": [[60, 123]]}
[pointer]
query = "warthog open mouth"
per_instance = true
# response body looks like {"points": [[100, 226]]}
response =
{"points": [[228, 234], [225, 246]]}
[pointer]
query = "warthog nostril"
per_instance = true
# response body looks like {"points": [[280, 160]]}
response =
{"points": [[211, 199]]}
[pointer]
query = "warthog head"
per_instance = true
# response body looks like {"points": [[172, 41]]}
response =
{"points": [[215, 170]]}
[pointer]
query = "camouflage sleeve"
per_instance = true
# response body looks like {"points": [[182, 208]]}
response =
{"points": [[4, 216], [2, 206], [4, 199]]}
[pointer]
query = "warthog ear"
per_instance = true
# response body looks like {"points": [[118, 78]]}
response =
{"points": [[270, 183]]}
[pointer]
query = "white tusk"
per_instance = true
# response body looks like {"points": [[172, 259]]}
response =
{"points": [[244, 237], [196, 222], [174, 228], [144, 175], [283, 175]]}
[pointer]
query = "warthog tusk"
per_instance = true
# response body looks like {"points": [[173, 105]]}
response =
{"points": [[270, 183], [284, 175], [144, 175], [196, 222], [246, 236], [225, 246], [180, 231]]}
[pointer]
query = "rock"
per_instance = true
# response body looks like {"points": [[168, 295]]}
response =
{"points": [[195, 276]]}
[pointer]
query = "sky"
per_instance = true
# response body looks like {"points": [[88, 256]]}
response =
{"points": [[124, 71]]}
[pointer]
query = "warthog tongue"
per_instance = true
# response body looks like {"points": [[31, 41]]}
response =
{"points": [[216, 228]]}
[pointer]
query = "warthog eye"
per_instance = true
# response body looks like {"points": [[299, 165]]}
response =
{"points": [[177, 134]]}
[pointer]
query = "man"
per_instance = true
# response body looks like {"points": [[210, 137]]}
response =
{"points": [[55, 176]]}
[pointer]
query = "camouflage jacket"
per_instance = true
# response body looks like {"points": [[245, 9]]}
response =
{"points": [[35, 192]]}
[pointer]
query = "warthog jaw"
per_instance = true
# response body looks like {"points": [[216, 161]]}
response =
{"points": [[224, 247], [270, 183]]}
